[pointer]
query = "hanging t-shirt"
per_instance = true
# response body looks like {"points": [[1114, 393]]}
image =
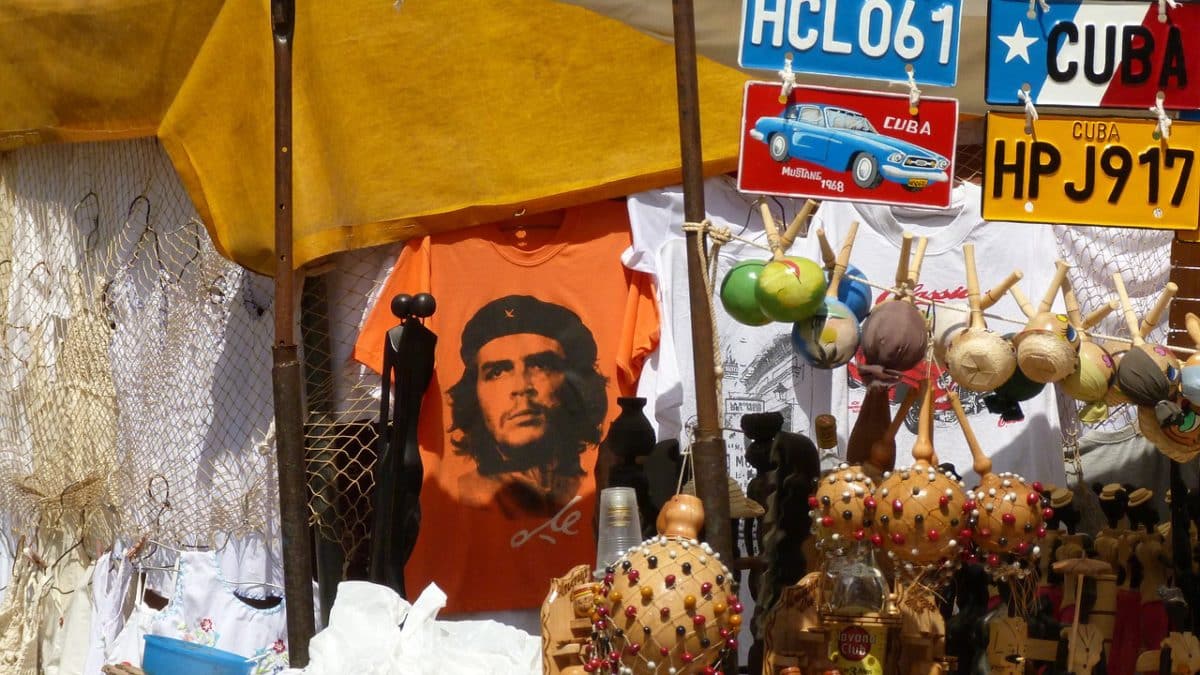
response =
{"points": [[1031, 447], [539, 330], [761, 371]]}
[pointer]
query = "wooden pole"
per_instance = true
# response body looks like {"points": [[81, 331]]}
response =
{"points": [[708, 450], [286, 373]]}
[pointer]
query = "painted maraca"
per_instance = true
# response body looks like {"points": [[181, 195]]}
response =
{"points": [[979, 360], [830, 337], [1095, 371], [1048, 346], [1148, 374], [1190, 372], [1118, 349], [853, 290], [788, 288], [895, 336]]}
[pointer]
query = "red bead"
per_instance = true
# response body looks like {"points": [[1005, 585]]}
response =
{"points": [[985, 533], [687, 657], [709, 670], [877, 540], [813, 503], [601, 624], [897, 506], [898, 538], [1047, 513], [698, 620], [634, 575], [602, 610], [630, 611], [1032, 498], [968, 506], [964, 534], [933, 535], [633, 648], [614, 657], [943, 501], [993, 560], [1009, 519], [665, 613], [827, 521], [1041, 532], [736, 608], [731, 643], [869, 503], [705, 588], [859, 534], [664, 650], [591, 666], [669, 580], [1022, 548], [608, 578], [724, 632], [1037, 486]]}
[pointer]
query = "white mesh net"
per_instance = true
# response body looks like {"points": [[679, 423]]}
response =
{"points": [[135, 383]]}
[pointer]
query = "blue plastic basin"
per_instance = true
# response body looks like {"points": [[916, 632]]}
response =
{"points": [[168, 656]]}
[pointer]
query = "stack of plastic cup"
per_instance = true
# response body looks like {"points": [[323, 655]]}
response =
{"points": [[620, 526]]}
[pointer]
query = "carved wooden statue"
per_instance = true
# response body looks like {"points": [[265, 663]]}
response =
{"points": [[566, 622]]}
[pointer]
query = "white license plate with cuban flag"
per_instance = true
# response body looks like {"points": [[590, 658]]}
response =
{"points": [[1094, 53]]}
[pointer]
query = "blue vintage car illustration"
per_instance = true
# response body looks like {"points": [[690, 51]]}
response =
{"points": [[839, 139]]}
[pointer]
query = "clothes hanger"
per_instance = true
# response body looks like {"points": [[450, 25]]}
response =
{"points": [[545, 220]]}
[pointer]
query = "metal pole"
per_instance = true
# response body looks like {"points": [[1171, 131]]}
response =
{"points": [[708, 451], [286, 374]]}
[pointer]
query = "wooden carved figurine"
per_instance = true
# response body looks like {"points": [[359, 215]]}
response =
{"points": [[566, 622]]}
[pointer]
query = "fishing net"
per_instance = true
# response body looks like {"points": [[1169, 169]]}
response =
{"points": [[342, 397], [135, 367]]}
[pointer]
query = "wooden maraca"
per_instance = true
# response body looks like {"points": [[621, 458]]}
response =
{"points": [[830, 337], [1190, 372], [979, 360], [1048, 346], [1096, 369], [1118, 350], [895, 335], [919, 507], [949, 322]]}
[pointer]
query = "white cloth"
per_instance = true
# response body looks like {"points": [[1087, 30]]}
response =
{"points": [[365, 637], [762, 372], [1032, 447], [67, 619], [109, 586], [206, 610]]}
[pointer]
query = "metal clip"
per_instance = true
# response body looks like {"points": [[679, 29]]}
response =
{"points": [[789, 79]]}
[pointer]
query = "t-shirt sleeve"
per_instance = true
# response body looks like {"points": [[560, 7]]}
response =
{"points": [[640, 331], [410, 274]]}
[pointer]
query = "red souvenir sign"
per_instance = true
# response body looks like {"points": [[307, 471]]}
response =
{"points": [[847, 144]]}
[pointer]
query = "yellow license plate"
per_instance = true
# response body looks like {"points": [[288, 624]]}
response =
{"points": [[1091, 171], [917, 182]]}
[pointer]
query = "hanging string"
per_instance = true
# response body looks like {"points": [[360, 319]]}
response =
{"points": [[1163, 130], [1034, 4], [1031, 113], [1162, 8]]}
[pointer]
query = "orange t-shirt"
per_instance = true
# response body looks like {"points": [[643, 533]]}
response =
{"points": [[553, 329]]}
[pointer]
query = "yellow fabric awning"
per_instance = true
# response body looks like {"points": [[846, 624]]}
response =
{"points": [[425, 116]]}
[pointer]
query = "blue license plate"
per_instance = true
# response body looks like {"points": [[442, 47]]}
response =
{"points": [[872, 39], [1093, 53]]}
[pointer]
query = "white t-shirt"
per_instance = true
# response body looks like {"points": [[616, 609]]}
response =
{"points": [[1032, 447], [762, 372]]}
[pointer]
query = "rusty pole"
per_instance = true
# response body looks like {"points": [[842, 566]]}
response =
{"points": [[708, 450], [286, 372]]}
